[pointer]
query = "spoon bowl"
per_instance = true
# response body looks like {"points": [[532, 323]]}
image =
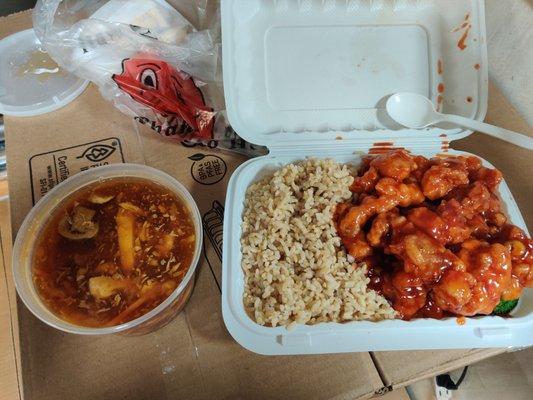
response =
{"points": [[411, 110], [415, 111]]}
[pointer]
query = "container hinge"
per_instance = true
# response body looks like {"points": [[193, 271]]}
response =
{"points": [[354, 146]]}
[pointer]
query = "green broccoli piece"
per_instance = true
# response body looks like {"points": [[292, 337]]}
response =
{"points": [[505, 306]]}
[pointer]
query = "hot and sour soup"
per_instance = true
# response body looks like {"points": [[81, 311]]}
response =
{"points": [[113, 251]]}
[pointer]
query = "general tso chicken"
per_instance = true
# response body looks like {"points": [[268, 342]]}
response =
{"points": [[113, 252], [434, 236]]}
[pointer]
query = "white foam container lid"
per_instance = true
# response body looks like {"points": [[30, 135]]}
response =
{"points": [[299, 76]]}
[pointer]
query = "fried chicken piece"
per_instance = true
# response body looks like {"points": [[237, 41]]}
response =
{"points": [[397, 164], [422, 255], [488, 176], [479, 199], [406, 291], [392, 195], [453, 291], [452, 213], [430, 223], [366, 182], [468, 211], [357, 246], [422, 165], [513, 290], [382, 225], [352, 221], [407, 194], [469, 164], [521, 251], [490, 266], [440, 180]]}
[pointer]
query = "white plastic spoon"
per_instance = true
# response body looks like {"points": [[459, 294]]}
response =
{"points": [[416, 111]]}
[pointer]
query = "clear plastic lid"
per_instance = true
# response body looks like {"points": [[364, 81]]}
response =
{"points": [[31, 83]]}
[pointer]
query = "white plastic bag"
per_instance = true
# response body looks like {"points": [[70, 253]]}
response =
{"points": [[146, 58]]}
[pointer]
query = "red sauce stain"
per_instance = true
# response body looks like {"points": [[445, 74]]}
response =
{"points": [[469, 99], [383, 150], [440, 99], [440, 88], [477, 66], [442, 135], [462, 26], [381, 144], [464, 23], [440, 69], [461, 320], [462, 41]]}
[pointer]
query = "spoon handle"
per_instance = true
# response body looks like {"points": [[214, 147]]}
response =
{"points": [[497, 132]]}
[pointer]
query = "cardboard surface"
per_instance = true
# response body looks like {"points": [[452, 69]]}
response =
{"points": [[193, 356], [507, 376], [9, 356]]}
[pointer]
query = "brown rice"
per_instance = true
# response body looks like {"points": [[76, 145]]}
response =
{"points": [[295, 270]]}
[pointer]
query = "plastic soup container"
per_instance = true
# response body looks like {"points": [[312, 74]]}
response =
{"points": [[39, 216], [310, 79]]}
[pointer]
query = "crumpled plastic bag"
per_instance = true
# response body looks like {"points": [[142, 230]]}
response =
{"points": [[147, 59]]}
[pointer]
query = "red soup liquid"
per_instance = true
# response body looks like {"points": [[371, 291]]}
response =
{"points": [[113, 251]]}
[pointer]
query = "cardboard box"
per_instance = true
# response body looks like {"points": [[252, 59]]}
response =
{"points": [[193, 357]]}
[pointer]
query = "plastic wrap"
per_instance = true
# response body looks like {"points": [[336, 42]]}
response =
{"points": [[147, 59]]}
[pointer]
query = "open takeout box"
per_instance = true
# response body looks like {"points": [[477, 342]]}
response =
{"points": [[310, 78]]}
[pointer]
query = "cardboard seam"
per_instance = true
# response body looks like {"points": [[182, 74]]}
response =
{"points": [[387, 387], [443, 368]]}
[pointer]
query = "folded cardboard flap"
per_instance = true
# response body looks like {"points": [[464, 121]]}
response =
{"points": [[194, 356]]}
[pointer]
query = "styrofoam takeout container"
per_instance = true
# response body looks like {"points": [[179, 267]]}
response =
{"points": [[310, 78], [36, 221]]}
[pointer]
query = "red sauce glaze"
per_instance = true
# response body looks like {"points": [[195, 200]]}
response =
{"points": [[433, 235], [462, 41], [440, 88], [461, 320], [383, 149]]}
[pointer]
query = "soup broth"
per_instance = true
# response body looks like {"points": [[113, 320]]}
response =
{"points": [[113, 251]]}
